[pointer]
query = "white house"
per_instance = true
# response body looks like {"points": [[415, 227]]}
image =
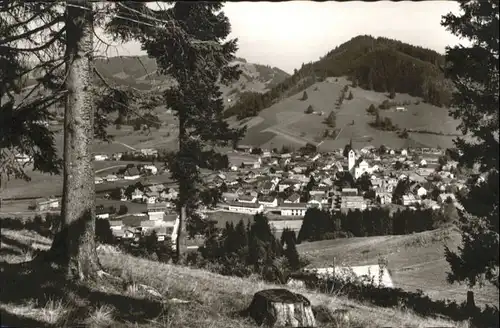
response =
{"points": [[268, 201], [115, 225], [23, 158], [404, 152], [293, 209], [246, 208], [410, 200], [132, 174], [111, 178], [365, 274], [101, 157], [137, 194], [156, 211], [247, 199], [98, 180], [151, 168]]}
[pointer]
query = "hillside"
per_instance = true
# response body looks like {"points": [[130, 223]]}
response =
{"points": [[286, 123], [187, 297], [141, 72], [415, 261], [377, 64], [374, 70]]}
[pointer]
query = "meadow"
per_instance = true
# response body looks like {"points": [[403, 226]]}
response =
{"points": [[183, 296], [285, 123], [415, 261]]}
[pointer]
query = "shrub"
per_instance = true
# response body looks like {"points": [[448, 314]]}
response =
{"points": [[309, 110]]}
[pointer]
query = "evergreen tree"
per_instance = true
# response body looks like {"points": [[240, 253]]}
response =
{"points": [[198, 60], [331, 120], [475, 103]]}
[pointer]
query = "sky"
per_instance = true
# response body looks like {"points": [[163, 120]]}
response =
{"points": [[287, 34]]}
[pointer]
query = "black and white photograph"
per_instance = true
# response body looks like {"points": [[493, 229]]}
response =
{"points": [[245, 164]]}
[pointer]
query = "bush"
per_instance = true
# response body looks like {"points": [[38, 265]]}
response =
{"points": [[304, 96], [309, 110]]}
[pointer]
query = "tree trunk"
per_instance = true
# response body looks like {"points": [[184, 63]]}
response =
{"points": [[74, 245], [281, 308]]}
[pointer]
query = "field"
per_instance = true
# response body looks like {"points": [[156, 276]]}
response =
{"points": [[186, 297], [414, 261], [285, 122]]}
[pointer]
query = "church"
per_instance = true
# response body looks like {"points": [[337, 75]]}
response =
{"points": [[357, 169]]}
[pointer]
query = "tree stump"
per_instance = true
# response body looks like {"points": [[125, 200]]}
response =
{"points": [[281, 308]]}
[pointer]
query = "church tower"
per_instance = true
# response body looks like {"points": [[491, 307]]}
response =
{"points": [[352, 159]]}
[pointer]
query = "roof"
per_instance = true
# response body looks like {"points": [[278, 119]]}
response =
{"points": [[157, 207], [293, 197], [246, 197], [293, 206], [115, 223], [133, 171], [267, 199], [248, 205], [147, 224]]}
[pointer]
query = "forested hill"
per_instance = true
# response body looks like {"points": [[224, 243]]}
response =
{"points": [[379, 64]]}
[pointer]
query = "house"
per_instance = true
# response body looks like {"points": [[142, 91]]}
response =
{"points": [[365, 274], [156, 211], [101, 157], [404, 152], [98, 180], [47, 204], [137, 194], [149, 152], [268, 201], [442, 198], [152, 169], [293, 199], [418, 189], [423, 163], [247, 199], [314, 203], [353, 202], [101, 212], [293, 209], [115, 225], [132, 174], [244, 148], [410, 200], [117, 156], [111, 178], [148, 226], [349, 191], [432, 204], [246, 208], [385, 197], [23, 158], [267, 187]]}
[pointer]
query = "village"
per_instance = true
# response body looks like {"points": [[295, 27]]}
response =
{"points": [[282, 184]]}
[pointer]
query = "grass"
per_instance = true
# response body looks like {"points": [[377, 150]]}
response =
{"points": [[285, 122], [213, 300], [415, 261]]}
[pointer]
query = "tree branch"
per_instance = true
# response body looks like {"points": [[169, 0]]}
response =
{"points": [[40, 48], [31, 32]]}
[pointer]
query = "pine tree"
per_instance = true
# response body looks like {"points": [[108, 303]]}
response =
{"points": [[197, 59], [475, 103]]}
